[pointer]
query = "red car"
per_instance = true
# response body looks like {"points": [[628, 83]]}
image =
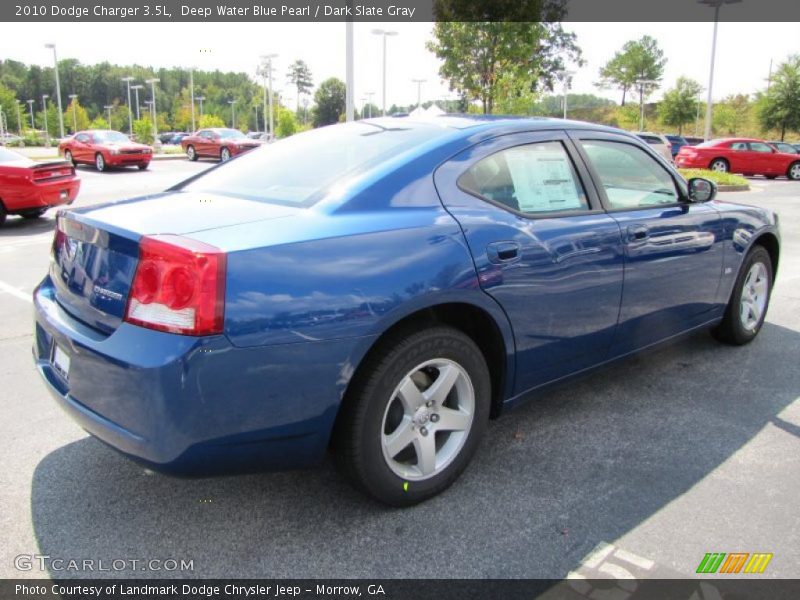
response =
{"points": [[105, 149], [28, 188], [740, 155], [219, 143]]}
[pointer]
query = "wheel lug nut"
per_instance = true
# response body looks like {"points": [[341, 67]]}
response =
{"points": [[423, 430], [434, 418]]}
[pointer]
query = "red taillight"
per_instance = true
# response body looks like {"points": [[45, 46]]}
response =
{"points": [[179, 286]]}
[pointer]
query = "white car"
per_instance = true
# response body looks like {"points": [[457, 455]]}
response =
{"points": [[658, 142]]}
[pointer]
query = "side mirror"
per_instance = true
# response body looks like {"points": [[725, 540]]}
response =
{"points": [[702, 190]]}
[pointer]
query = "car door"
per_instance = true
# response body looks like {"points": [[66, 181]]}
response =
{"points": [[81, 149], [672, 247], [543, 247], [740, 157], [765, 159]]}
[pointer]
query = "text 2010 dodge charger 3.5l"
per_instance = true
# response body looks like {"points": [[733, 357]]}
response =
{"points": [[381, 288]]}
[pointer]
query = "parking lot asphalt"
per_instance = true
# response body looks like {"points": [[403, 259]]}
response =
{"points": [[644, 466]]}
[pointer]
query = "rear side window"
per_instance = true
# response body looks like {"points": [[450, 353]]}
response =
{"points": [[739, 146], [631, 178], [651, 139], [534, 179]]}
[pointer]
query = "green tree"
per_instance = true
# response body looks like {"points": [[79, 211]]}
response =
{"points": [[210, 121], [638, 59], [98, 123], [52, 120], [484, 60], [733, 114], [286, 124], [679, 105], [300, 77], [8, 102], [80, 116], [780, 108], [143, 130], [330, 100]]}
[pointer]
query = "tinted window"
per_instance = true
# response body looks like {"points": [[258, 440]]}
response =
{"points": [[760, 147], [83, 138], [739, 146], [298, 169], [631, 177], [534, 179]]}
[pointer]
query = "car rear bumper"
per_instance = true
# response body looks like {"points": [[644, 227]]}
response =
{"points": [[684, 162], [43, 195], [190, 405]]}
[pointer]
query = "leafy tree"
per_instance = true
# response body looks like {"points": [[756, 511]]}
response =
{"points": [[80, 117], [780, 108], [8, 102], [330, 100], [300, 77], [52, 120], [679, 105], [733, 114], [143, 130], [482, 60], [638, 59], [210, 121], [98, 123], [286, 124]]}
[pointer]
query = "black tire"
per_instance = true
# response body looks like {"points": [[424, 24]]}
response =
{"points": [[191, 153], [33, 214], [3, 214], [357, 442], [771, 176], [722, 165], [224, 154], [731, 330], [143, 166], [69, 158], [99, 162], [793, 172]]}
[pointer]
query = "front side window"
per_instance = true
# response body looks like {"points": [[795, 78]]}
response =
{"points": [[83, 138], [533, 179], [630, 176], [739, 147]]}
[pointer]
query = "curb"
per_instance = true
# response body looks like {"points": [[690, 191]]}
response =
{"points": [[733, 188]]}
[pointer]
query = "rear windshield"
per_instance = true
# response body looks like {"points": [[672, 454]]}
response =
{"points": [[709, 144], [8, 155], [299, 169]]}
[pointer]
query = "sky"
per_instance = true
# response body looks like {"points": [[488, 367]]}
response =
{"points": [[744, 51]]}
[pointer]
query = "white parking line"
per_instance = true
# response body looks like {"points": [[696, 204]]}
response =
{"points": [[16, 292]]}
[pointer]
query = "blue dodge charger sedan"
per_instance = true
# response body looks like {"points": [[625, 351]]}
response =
{"points": [[380, 289]]}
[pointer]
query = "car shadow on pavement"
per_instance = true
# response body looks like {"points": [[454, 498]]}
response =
{"points": [[581, 464], [18, 226]]}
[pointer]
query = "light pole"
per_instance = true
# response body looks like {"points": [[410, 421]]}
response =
{"points": [[128, 80], [191, 93], [58, 90], [385, 34], [44, 113], [419, 83], [349, 89], [153, 81], [717, 4], [74, 100], [136, 89], [19, 119], [642, 83], [233, 113], [268, 63], [566, 79], [200, 100], [364, 107], [108, 107], [369, 99], [697, 116], [30, 105]]}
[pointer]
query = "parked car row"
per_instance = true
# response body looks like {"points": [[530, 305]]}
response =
{"points": [[741, 155]]}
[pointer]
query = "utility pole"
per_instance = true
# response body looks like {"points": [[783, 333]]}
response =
{"points": [[128, 80], [58, 90], [349, 89], [153, 81], [200, 100], [44, 113], [191, 95], [384, 33], [30, 104], [369, 99], [108, 107], [19, 119], [136, 89], [233, 113], [267, 62], [419, 83], [642, 83]]}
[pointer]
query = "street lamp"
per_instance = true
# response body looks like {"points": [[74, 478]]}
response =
{"points": [[233, 113], [369, 99], [419, 83], [385, 34], [566, 79], [200, 100], [46, 130], [267, 58], [108, 107], [191, 95], [130, 110], [136, 89], [717, 4], [19, 119], [74, 100], [642, 83], [30, 105], [58, 90], [153, 81]]}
